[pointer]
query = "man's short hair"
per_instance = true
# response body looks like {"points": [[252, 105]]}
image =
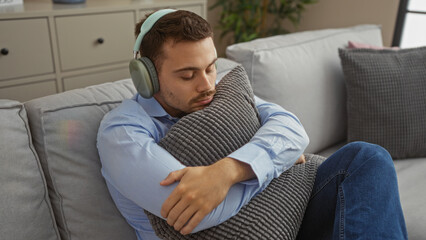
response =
{"points": [[177, 26]]}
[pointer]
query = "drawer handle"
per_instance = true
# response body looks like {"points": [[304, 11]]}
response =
{"points": [[100, 40], [4, 51]]}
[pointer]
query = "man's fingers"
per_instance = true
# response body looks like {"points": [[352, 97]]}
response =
{"points": [[176, 212], [170, 202], [173, 177], [193, 222], [184, 218], [301, 159]]}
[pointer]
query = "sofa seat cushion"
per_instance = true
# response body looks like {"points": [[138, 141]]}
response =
{"points": [[64, 128], [25, 208], [411, 180], [302, 72]]}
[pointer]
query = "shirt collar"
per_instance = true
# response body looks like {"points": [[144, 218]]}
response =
{"points": [[151, 106]]}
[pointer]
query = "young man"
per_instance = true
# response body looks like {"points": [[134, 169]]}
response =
{"points": [[356, 184]]}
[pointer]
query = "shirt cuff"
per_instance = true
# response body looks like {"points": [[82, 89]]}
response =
{"points": [[259, 161]]}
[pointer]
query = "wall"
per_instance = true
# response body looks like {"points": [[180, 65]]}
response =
{"points": [[333, 14]]}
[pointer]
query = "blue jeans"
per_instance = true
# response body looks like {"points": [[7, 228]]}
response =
{"points": [[355, 196]]}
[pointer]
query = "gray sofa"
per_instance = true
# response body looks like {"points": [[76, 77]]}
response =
{"points": [[52, 187]]}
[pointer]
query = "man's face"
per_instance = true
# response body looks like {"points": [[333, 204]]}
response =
{"points": [[187, 76]]}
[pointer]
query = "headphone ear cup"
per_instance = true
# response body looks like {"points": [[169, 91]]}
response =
{"points": [[144, 76], [152, 73]]}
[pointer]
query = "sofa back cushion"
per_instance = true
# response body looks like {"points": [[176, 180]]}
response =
{"points": [[25, 208], [302, 72], [64, 128]]}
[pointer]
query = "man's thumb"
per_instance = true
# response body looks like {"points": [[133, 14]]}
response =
{"points": [[173, 177]]}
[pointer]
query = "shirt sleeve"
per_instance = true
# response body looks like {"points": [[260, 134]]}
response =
{"points": [[276, 146], [134, 164]]}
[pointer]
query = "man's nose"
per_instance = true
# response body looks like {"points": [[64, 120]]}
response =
{"points": [[204, 83]]}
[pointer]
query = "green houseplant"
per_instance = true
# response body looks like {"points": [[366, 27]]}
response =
{"points": [[250, 19]]}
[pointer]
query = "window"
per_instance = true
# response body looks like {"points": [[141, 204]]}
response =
{"points": [[410, 29]]}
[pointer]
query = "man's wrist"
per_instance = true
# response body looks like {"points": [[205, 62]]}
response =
{"points": [[235, 170]]}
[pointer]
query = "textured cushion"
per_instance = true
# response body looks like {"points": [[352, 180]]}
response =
{"points": [[302, 73], [226, 124], [387, 98], [25, 208], [64, 128]]}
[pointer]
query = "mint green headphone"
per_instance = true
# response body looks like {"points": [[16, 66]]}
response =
{"points": [[142, 70]]}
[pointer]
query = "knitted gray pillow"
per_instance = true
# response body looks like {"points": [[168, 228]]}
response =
{"points": [[205, 136], [386, 98]]}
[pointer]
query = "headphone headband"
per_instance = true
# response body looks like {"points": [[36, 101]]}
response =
{"points": [[147, 25]]}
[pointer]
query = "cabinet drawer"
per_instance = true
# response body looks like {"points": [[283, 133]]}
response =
{"points": [[95, 78], [28, 91], [94, 40], [26, 48]]}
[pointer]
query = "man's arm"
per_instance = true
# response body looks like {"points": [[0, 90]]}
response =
{"points": [[277, 145], [135, 165], [200, 190]]}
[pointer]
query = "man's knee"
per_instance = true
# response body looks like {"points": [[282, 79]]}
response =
{"points": [[372, 153], [369, 149]]}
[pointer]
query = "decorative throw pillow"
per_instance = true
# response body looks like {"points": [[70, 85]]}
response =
{"points": [[205, 136], [386, 98]]}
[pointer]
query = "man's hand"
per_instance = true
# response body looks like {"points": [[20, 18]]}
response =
{"points": [[300, 160], [201, 189]]}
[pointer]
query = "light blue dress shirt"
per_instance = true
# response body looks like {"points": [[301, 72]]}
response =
{"points": [[133, 165]]}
